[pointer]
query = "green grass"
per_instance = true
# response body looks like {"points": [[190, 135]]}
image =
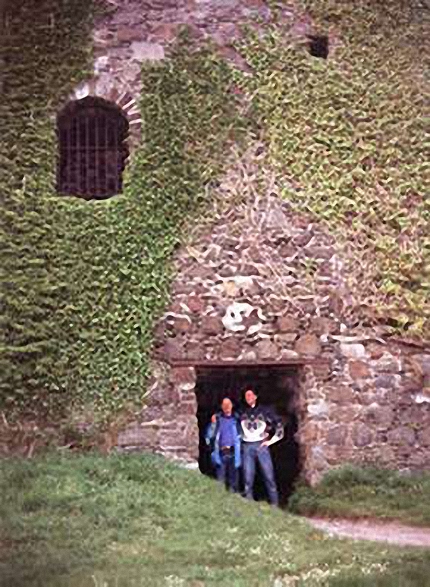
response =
{"points": [[132, 521], [367, 492]]}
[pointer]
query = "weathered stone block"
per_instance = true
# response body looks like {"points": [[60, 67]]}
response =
{"points": [[166, 31], [362, 435], [212, 325], [358, 370], [181, 324], [188, 407], [195, 303], [308, 345], [337, 435], [164, 395], [173, 348], [147, 51], [414, 414], [230, 349], [319, 409], [310, 434], [423, 361], [322, 370], [403, 435], [375, 350], [385, 381], [341, 394], [184, 377], [144, 436], [248, 355], [321, 325], [353, 350], [317, 459], [126, 34], [345, 413], [287, 324], [266, 349], [423, 437], [286, 338], [194, 351], [286, 354], [381, 417]]}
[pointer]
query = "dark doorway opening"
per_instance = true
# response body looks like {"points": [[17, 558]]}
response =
{"points": [[318, 46], [275, 385]]}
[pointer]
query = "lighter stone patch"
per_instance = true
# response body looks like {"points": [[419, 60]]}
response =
{"points": [[422, 398], [235, 314], [319, 408], [174, 315], [143, 51], [82, 91], [353, 351], [100, 63]]}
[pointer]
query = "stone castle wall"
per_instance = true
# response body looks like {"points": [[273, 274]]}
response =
{"points": [[265, 285], [262, 284]]}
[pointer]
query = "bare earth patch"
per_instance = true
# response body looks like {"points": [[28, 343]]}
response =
{"points": [[391, 532]]}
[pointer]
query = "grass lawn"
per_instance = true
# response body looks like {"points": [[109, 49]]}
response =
{"points": [[367, 493], [132, 521]]}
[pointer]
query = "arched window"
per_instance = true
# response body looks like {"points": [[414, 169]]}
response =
{"points": [[92, 137]]}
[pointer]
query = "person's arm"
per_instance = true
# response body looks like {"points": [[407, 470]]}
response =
{"points": [[210, 430], [275, 422]]}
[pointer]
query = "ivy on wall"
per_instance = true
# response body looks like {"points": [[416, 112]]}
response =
{"points": [[84, 281], [346, 136]]}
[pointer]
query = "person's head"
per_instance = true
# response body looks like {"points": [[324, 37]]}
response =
{"points": [[227, 406], [250, 398]]}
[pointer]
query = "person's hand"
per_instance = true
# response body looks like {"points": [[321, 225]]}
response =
{"points": [[265, 443], [213, 419]]}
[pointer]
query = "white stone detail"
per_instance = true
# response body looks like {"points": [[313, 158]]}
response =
{"points": [[255, 328], [421, 398], [147, 51], [100, 63], [319, 408], [82, 91], [235, 314], [353, 351], [175, 315]]}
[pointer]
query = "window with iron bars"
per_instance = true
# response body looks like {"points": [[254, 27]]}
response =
{"points": [[92, 135]]}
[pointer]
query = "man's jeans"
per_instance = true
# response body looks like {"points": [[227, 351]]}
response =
{"points": [[227, 472], [251, 453]]}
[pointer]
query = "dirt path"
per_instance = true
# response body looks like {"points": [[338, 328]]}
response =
{"points": [[391, 532]]}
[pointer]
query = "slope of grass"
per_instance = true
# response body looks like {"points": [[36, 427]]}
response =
{"points": [[367, 492], [129, 521]]}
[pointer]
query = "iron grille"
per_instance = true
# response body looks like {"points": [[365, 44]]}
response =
{"points": [[92, 149]]}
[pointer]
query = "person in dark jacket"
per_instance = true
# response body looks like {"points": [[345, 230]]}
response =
{"points": [[223, 434], [261, 427]]}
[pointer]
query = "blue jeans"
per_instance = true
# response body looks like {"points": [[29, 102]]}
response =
{"points": [[251, 453], [227, 472]]}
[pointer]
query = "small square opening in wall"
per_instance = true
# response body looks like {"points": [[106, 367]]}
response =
{"points": [[276, 387], [318, 46]]}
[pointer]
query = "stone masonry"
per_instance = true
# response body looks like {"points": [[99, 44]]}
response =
{"points": [[261, 283], [265, 285]]}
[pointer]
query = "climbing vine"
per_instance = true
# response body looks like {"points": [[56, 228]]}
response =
{"points": [[84, 282], [345, 136]]}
